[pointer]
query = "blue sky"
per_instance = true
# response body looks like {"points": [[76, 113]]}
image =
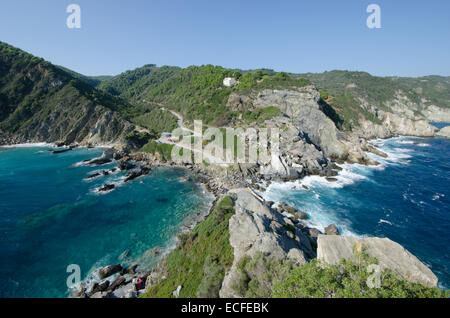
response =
{"points": [[293, 36]]}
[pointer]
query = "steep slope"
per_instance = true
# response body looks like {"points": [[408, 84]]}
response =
{"points": [[40, 102], [356, 94]]}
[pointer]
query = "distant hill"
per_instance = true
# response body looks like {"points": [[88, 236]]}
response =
{"points": [[359, 91], [43, 102], [91, 80]]}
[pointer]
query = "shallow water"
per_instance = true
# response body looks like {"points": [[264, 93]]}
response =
{"points": [[406, 198], [50, 217]]}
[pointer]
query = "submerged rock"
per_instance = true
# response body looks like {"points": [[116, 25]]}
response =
{"points": [[331, 249], [107, 187]]}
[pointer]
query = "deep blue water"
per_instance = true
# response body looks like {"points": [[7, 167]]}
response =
{"points": [[406, 198], [440, 125], [51, 217]]}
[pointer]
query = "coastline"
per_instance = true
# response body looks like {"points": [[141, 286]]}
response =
{"points": [[345, 177], [207, 182]]}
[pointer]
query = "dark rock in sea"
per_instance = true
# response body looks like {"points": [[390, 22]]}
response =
{"points": [[109, 270], [105, 173], [330, 179], [99, 161], [92, 176], [107, 187], [137, 173], [126, 165], [119, 281], [332, 230], [305, 187], [61, 151]]}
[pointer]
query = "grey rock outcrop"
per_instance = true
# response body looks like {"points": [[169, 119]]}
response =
{"points": [[444, 132], [332, 248], [302, 107], [257, 228]]}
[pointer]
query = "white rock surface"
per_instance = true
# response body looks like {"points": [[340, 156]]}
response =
{"points": [[332, 248]]}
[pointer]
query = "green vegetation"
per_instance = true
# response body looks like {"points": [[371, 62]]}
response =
{"points": [[164, 150], [267, 79], [133, 85], [347, 88], [91, 80], [156, 121], [435, 88], [258, 274], [138, 139], [197, 92], [261, 115], [349, 279], [201, 259], [349, 112], [32, 88]]}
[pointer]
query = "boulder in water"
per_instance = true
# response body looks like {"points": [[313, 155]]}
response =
{"points": [[109, 270], [332, 230], [107, 187]]}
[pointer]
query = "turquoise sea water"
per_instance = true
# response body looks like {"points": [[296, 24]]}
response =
{"points": [[406, 198], [51, 217]]}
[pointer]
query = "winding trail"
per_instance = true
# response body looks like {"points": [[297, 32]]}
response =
{"points": [[205, 155]]}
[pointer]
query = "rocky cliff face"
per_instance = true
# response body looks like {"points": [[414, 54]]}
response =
{"points": [[310, 138], [42, 103], [437, 114], [302, 108], [444, 132], [395, 125], [257, 228]]}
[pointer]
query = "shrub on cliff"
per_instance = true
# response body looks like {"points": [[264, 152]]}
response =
{"points": [[257, 274], [348, 280]]}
